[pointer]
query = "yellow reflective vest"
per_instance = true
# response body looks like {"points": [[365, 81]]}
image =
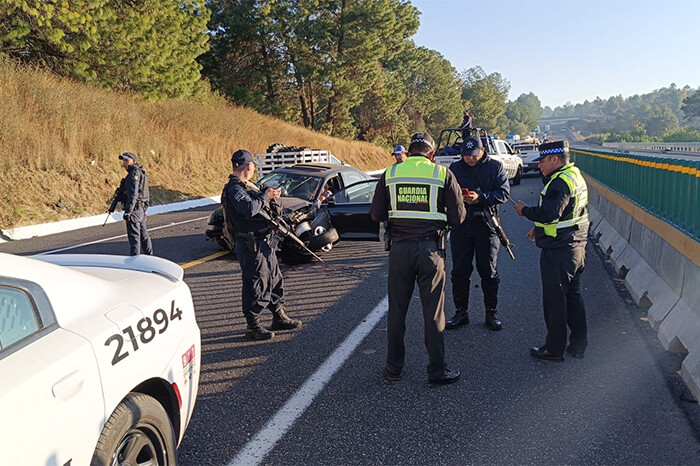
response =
{"points": [[413, 188], [579, 193]]}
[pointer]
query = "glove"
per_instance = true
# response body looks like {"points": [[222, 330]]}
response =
{"points": [[127, 217]]}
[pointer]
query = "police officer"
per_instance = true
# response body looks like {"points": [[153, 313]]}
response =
{"points": [[400, 154], [561, 231], [466, 121], [484, 185], [419, 199], [255, 249], [135, 199]]}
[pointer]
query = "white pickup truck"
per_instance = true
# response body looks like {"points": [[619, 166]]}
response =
{"points": [[528, 151], [450, 143]]}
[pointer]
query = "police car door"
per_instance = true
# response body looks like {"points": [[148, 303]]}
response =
{"points": [[349, 212]]}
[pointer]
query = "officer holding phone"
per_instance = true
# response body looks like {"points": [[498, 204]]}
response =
{"points": [[484, 184]]}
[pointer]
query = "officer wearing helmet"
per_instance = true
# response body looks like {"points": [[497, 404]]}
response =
{"points": [[135, 197], [561, 232], [419, 199], [262, 287]]}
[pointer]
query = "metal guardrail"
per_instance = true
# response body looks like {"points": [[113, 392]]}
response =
{"points": [[668, 188], [658, 146]]}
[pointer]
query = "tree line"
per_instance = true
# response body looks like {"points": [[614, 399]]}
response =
{"points": [[670, 114], [348, 68]]}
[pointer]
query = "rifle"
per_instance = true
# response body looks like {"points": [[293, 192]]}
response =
{"points": [[285, 230], [116, 199], [492, 219]]}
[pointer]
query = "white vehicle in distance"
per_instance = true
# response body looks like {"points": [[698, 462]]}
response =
{"points": [[100, 359], [449, 145], [528, 151]]}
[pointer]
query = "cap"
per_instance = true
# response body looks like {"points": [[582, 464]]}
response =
{"points": [[550, 148], [398, 150], [129, 155], [471, 146], [241, 157], [423, 138]]}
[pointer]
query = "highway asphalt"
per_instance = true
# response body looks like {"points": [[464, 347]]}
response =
{"points": [[317, 396]]}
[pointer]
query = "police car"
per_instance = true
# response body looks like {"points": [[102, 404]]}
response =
{"points": [[99, 359]]}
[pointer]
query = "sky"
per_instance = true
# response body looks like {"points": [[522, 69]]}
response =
{"points": [[569, 50]]}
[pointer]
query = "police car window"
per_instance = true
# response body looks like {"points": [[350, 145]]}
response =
{"points": [[359, 192], [18, 317]]}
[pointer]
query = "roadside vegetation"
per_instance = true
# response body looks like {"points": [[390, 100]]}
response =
{"points": [[60, 139]]}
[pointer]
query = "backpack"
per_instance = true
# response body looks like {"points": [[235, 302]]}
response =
{"points": [[144, 189]]}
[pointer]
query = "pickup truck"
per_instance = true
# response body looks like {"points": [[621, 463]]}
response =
{"points": [[528, 151], [450, 143]]}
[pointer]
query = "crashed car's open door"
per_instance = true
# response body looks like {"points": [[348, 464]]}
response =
{"points": [[349, 211]]}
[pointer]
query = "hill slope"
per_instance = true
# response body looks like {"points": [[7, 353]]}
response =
{"points": [[60, 140]]}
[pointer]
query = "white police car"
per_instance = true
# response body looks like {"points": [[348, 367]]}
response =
{"points": [[99, 359]]}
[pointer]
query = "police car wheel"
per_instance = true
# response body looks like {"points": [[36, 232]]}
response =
{"points": [[138, 432], [518, 176]]}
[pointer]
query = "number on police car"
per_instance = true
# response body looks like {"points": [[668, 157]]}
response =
{"points": [[146, 331]]}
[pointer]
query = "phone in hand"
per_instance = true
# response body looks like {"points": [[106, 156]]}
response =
{"points": [[465, 192]]}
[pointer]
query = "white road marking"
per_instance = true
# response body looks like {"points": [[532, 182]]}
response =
{"points": [[264, 441], [120, 236]]}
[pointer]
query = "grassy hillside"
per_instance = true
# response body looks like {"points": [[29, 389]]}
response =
{"points": [[60, 140]]}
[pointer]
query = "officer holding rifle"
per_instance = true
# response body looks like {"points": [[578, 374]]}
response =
{"points": [[247, 211], [484, 186]]}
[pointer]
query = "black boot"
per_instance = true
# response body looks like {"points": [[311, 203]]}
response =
{"points": [[492, 320], [254, 331], [460, 318], [281, 321]]}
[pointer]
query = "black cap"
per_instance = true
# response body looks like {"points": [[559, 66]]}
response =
{"points": [[471, 146], [423, 138], [550, 148], [129, 155], [241, 157]]}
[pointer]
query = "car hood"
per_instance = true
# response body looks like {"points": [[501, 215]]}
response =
{"points": [[293, 203]]}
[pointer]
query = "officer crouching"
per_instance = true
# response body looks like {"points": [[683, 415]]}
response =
{"points": [[255, 247]]}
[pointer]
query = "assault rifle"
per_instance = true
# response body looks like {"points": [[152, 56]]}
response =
{"points": [[284, 230], [116, 199], [492, 219]]}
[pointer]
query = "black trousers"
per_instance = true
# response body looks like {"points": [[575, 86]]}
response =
{"points": [[262, 278], [137, 233], [561, 271], [474, 238], [421, 262]]}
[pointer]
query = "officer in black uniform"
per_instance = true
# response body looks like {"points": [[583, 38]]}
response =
{"points": [[255, 247], [484, 186], [419, 199], [135, 200], [561, 231]]}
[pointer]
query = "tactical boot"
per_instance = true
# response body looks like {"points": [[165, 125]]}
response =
{"points": [[281, 321], [492, 320], [460, 318], [254, 331]]}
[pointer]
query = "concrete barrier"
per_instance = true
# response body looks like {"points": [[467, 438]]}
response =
{"points": [[661, 269]]}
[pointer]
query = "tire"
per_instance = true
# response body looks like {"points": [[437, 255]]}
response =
{"points": [[274, 148], [139, 428], [323, 239], [518, 176]]}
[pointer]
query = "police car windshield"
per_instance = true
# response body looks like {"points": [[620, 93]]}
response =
{"points": [[292, 184]]}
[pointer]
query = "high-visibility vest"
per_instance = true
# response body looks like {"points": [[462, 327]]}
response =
{"points": [[579, 193], [413, 189]]}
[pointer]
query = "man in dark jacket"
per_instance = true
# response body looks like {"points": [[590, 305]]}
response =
{"points": [[561, 231], [255, 247], [135, 200], [484, 186], [419, 199]]}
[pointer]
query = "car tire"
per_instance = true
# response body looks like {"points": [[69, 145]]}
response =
{"points": [[139, 428], [518, 176], [324, 241], [274, 148]]}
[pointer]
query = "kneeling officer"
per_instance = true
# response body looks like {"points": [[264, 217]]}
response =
{"points": [[255, 247]]}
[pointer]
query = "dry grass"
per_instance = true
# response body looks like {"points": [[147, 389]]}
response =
{"points": [[59, 142]]}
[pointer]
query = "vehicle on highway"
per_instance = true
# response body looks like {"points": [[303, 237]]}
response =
{"points": [[306, 208], [449, 145], [100, 359], [528, 152]]}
